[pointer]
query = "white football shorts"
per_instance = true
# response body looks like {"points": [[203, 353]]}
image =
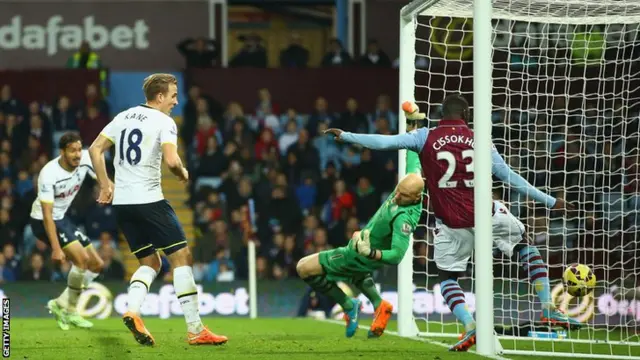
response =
{"points": [[453, 247]]}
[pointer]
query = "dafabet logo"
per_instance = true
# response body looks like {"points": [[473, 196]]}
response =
{"points": [[55, 35]]}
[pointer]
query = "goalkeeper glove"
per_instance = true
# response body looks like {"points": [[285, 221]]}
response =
{"points": [[412, 111], [363, 245]]}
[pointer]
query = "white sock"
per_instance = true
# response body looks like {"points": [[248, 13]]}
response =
{"points": [[89, 276], [139, 287], [74, 287], [63, 299], [187, 293]]}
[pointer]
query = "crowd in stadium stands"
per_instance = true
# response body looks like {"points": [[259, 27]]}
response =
{"points": [[309, 191]]}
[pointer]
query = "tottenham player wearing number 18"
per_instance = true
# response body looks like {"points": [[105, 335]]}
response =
{"points": [[383, 241], [142, 136], [446, 153], [58, 184]]}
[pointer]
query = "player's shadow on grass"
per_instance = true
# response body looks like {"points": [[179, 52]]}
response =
{"points": [[111, 346]]}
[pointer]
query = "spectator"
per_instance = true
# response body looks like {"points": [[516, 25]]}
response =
{"points": [[294, 56], [307, 156], [285, 261], [6, 169], [199, 53], [63, 116], [262, 268], [36, 270], [95, 99], [289, 137], [6, 273], [8, 103], [336, 55], [84, 58], [327, 149], [42, 132], [319, 115], [106, 239], [306, 194], [352, 119], [265, 144], [207, 128], [220, 269], [113, 269], [8, 231], [367, 200], [339, 201], [213, 162], [383, 110], [292, 115], [375, 57], [91, 124], [24, 184], [31, 154], [252, 54]]}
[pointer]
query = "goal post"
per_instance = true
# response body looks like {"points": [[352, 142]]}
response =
{"points": [[555, 84]]}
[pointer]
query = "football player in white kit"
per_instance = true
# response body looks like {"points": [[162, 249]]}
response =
{"points": [[58, 184], [142, 135]]}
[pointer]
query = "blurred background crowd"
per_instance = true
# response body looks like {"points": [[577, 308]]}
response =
{"points": [[311, 191]]}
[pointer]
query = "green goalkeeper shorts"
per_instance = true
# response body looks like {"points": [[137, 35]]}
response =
{"points": [[344, 264]]}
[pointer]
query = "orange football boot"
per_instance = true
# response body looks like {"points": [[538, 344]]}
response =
{"points": [[380, 319], [206, 337], [134, 323]]}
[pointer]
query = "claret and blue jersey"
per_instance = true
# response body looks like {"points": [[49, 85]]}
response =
{"points": [[446, 154]]}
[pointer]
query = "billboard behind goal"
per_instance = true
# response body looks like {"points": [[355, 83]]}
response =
{"points": [[129, 35], [282, 299]]}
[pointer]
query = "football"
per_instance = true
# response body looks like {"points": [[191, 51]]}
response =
{"points": [[579, 280]]}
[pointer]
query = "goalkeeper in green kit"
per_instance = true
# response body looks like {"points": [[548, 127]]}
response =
{"points": [[383, 241]]}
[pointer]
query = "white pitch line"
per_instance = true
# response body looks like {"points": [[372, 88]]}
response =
{"points": [[428, 341]]}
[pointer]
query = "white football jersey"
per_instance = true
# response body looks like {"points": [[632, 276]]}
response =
{"points": [[59, 186], [138, 135]]}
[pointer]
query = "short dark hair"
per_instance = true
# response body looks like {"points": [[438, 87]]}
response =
{"points": [[68, 138], [455, 106]]}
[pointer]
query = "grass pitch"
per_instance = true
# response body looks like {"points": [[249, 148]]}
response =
{"points": [[279, 338]]}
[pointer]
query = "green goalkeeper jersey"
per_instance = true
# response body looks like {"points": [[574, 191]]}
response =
{"points": [[392, 225]]}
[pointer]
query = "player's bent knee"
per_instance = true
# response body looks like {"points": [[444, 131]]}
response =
{"points": [[300, 268], [180, 257], [96, 264], [309, 266], [77, 255], [152, 261]]}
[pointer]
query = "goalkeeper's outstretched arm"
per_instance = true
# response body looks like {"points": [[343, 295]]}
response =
{"points": [[413, 163]]}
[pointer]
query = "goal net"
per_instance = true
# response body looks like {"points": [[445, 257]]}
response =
{"points": [[566, 98]]}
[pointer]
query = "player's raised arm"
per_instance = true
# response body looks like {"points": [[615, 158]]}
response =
{"points": [[102, 143], [413, 163], [413, 140], [500, 169]]}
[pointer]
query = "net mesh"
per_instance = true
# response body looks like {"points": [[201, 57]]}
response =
{"points": [[566, 101]]}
